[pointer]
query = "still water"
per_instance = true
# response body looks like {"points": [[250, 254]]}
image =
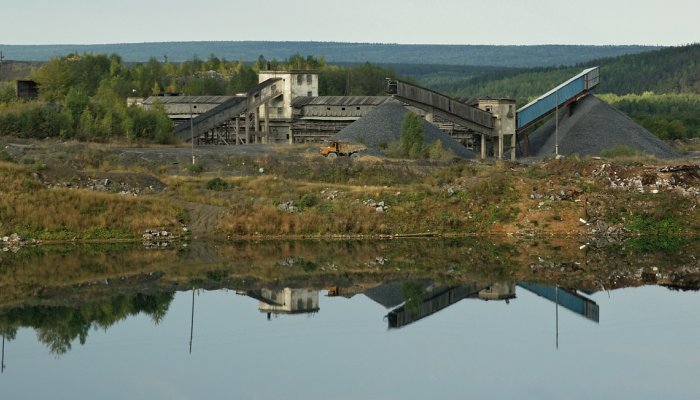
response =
{"points": [[536, 342]]}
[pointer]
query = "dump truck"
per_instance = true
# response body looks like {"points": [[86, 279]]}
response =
{"points": [[337, 148]]}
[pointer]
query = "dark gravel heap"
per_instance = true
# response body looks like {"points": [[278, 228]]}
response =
{"points": [[592, 127], [382, 126]]}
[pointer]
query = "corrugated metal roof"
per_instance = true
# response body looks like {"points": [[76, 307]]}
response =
{"points": [[338, 101], [188, 99]]}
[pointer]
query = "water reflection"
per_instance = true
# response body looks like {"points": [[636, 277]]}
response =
{"points": [[423, 302], [284, 301], [569, 299], [2, 363], [59, 326]]}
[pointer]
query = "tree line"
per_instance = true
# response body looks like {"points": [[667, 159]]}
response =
{"points": [[83, 96]]}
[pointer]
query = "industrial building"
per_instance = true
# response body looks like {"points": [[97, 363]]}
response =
{"points": [[285, 108]]}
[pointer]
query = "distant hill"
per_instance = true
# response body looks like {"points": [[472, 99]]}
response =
{"points": [[473, 55], [667, 70]]}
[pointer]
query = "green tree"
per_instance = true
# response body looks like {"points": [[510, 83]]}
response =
{"points": [[411, 142], [75, 102], [86, 125], [55, 78]]}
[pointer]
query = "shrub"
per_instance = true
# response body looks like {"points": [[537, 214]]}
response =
{"points": [[308, 200], [195, 168], [619, 151], [217, 184]]}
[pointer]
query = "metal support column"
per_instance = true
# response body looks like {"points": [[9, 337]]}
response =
{"points": [[483, 146], [238, 131], [247, 127], [267, 124]]}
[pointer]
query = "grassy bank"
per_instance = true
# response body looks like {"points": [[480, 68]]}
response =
{"points": [[59, 191]]}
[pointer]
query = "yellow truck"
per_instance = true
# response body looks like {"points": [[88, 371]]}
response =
{"points": [[337, 148]]}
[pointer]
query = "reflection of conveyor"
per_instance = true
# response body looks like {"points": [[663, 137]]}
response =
{"points": [[432, 298], [568, 299], [438, 300]]}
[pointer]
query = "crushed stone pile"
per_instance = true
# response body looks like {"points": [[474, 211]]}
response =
{"points": [[592, 126], [382, 126]]}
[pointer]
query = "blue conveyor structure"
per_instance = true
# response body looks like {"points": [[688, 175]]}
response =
{"points": [[568, 92]]}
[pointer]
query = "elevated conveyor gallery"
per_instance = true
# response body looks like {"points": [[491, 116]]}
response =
{"points": [[229, 110], [209, 120], [568, 92], [446, 107]]}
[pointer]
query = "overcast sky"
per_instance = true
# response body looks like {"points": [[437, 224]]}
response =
{"points": [[600, 22]]}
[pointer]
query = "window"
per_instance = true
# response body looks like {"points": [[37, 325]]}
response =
{"points": [[300, 80], [309, 79], [309, 93]]}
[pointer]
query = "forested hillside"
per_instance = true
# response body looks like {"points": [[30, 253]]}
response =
{"points": [[482, 55], [658, 89], [669, 70]]}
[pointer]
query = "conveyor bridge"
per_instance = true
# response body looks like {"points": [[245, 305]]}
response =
{"points": [[446, 107], [229, 110], [565, 93]]}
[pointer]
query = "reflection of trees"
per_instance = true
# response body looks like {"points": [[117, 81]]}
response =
{"points": [[58, 326], [8, 332], [413, 295]]}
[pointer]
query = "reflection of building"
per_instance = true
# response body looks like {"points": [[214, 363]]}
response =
{"points": [[286, 301], [498, 291]]}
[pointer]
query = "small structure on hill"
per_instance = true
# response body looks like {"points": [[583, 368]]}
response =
{"points": [[27, 90]]}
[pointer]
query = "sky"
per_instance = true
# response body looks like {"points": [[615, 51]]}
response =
{"points": [[501, 22]]}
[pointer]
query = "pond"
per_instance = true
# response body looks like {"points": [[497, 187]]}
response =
{"points": [[376, 336]]}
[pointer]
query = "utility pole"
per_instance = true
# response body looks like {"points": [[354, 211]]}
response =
{"points": [[2, 57], [556, 127], [192, 130]]}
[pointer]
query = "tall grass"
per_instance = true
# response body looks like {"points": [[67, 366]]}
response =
{"points": [[27, 208]]}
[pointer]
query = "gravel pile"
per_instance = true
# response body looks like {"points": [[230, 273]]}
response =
{"points": [[592, 127], [382, 126]]}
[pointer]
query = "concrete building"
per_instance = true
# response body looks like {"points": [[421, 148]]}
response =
{"points": [[285, 108], [504, 112], [278, 112]]}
